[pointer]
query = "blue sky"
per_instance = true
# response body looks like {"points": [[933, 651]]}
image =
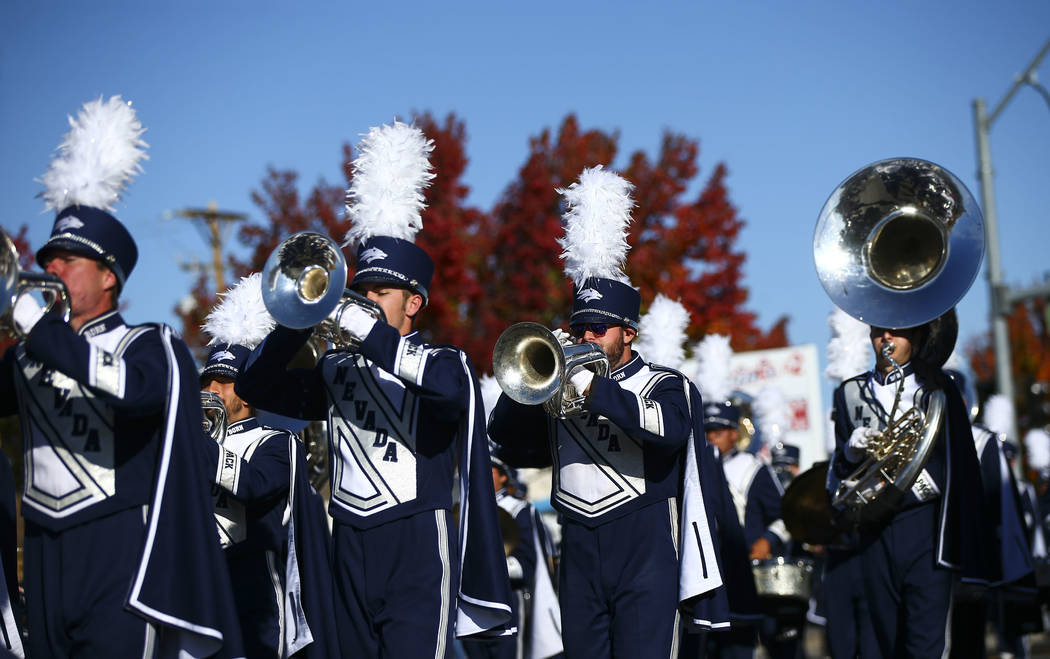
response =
{"points": [[791, 96]]}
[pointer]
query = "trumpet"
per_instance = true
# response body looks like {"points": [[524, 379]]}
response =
{"points": [[15, 282], [215, 420], [304, 285], [532, 366]]}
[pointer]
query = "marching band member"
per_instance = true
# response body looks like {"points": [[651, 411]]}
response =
{"points": [[1012, 566], [121, 558], [271, 523], [783, 458], [756, 494], [398, 411], [618, 467], [911, 550]]}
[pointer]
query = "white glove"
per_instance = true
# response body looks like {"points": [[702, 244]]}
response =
{"points": [[357, 322], [859, 441], [27, 313], [581, 379], [562, 336]]}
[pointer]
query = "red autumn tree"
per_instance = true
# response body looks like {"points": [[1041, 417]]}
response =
{"points": [[1029, 330], [501, 267]]}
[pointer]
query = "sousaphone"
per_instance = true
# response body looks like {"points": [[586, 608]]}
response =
{"points": [[897, 245]]}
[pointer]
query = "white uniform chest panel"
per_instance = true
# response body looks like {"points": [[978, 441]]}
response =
{"points": [[372, 421], [70, 460], [231, 518], [601, 467], [740, 470], [870, 402]]}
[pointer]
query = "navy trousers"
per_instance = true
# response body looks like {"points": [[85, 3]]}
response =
{"points": [[619, 586], [76, 583], [396, 587], [908, 596], [849, 631], [258, 584]]}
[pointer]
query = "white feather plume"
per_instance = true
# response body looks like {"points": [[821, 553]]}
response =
{"points": [[97, 158], [773, 414], [240, 317], [661, 333], [999, 415], [598, 212], [490, 391], [391, 170], [849, 350], [713, 372], [1037, 449]]}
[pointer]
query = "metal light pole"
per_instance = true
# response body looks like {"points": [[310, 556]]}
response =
{"points": [[1000, 296]]}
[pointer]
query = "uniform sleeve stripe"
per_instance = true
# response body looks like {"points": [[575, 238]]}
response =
{"points": [[410, 361], [229, 471], [651, 416], [780, 530]]}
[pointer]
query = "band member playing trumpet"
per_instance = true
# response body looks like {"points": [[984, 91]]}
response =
{"points": [[121, 553], [618, 461], [271, 523], [401, 414]]}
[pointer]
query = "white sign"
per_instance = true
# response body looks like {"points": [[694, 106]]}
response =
{"points": [[795, 371]]}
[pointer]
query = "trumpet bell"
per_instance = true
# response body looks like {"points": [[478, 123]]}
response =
{"points": [[532, 367], [898, 243], [14, 282], [527, 359], [303, 279]]}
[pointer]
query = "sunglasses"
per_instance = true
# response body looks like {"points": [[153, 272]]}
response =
{"points": [[597, 329]]}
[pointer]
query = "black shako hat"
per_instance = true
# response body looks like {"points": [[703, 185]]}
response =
{"points": [[96, 234], [606, 301], [225, 361], [394, 261], [721, 415]]}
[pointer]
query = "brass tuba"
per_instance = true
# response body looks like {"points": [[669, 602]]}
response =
{"points": [[15, 282], [897, 245], [532, 366], [304, 285]]}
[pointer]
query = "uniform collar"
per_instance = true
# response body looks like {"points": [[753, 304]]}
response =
{"points": [[891, 377], [413, 337], [101, 324], [630, 368], [731, 454], [251, 423]]}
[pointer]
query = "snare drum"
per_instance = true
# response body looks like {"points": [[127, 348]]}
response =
{"points": [[783, 584]]}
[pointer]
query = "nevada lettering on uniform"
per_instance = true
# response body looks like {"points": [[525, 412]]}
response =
{"points": [[374, 414]]}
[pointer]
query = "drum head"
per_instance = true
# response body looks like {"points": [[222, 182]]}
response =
{"points": [[806, 508]]}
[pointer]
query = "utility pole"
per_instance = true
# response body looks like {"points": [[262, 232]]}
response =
{"points": [[1001, 298], [214, 226]]}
